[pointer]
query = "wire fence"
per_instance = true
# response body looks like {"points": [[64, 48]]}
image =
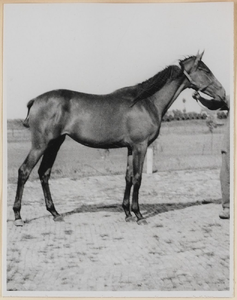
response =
{"points": [[180, 145]]}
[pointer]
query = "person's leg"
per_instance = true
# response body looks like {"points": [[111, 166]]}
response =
{"points": [[225, 185]]}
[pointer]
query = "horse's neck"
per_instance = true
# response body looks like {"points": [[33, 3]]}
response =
{"points": [[166, 96]]}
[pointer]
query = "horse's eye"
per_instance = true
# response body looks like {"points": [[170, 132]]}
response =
{"points": [[204, 70]]}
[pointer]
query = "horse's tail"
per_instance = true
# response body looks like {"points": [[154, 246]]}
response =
{"points": [[26, 121]]}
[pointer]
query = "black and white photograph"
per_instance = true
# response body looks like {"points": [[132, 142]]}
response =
{"points": [[118, 133]]}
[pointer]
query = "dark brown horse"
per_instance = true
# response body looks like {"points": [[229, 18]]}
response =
{"points": [[129, 117]]}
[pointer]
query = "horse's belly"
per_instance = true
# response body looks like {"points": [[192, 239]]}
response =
{"points": [[98, 134]]}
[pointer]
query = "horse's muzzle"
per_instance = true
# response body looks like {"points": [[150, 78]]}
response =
{"points": [[222, 95], [217, 93]]}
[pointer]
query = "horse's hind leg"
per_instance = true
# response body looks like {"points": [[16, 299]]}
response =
{"points": [[128, 179], [44, 174], [23, 174]]}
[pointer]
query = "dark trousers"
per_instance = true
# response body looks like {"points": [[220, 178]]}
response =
{"points": [[225, 179]]}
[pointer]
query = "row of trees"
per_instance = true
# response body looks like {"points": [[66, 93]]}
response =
{"points": [[178, 115]]}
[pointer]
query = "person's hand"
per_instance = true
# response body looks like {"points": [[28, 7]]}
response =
{"points": [[196, 95]]}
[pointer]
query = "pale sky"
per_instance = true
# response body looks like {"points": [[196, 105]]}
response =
{"points": [[98, 48]]}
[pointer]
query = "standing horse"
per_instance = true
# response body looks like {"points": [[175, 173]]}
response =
{"points": [[129, 117]]}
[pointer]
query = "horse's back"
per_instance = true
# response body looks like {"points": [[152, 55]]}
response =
{"points": [[80, 115], [100, 121]]}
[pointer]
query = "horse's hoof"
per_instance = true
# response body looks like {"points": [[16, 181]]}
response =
{"points": [[129, 219], [58, 219], [142, 222], [19, 223]]}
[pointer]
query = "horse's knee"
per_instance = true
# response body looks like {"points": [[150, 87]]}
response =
{"points": [[23, 175], [44, 176], [137, 178], [129, 179]]}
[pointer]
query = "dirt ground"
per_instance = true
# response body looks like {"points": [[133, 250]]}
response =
{"points": [[184, 246]]}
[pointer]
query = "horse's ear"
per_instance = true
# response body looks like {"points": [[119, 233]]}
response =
{"points": [[201, 55], [198, 58], [181, 65]]}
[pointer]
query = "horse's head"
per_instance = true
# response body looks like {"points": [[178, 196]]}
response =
{"points": [[200, 78]]}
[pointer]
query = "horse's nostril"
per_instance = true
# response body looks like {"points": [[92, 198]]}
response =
{"points": [[223, 94]]}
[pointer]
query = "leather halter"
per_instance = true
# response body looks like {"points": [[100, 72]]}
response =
{"points": [[200, 89], [193, 83]]}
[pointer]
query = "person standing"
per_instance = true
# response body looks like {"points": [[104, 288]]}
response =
{"points": [[225, 153]]}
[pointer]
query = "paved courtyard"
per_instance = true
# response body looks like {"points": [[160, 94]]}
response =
{"points": [[184, 246]]}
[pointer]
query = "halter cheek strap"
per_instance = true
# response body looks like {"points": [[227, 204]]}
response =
{"points": [[193, 83], [188, 77]]}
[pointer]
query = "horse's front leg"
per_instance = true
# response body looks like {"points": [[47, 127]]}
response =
{"points": [[139, 153], [128, 180]]}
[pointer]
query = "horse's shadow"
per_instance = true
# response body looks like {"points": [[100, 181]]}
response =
{"points": [[148, 210]]}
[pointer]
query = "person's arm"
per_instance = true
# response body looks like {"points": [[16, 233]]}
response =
{"points": [[210, 104]]}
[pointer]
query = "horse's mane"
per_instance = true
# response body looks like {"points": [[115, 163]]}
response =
{"points": [[155, 83], [187, 58]]}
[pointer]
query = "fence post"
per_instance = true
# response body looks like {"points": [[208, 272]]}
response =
{"points": [[149, 160]]}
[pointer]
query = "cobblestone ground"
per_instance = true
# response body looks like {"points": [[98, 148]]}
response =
{"points": [[184, 246]]}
